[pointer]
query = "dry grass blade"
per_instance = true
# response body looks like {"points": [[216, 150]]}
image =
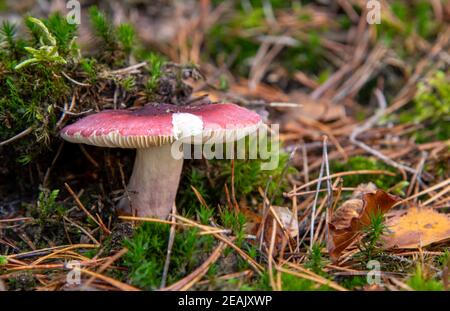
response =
{"points": [[191, 279], [60, 251], [107, 264], [341, 174], [317, 279], [115, 283], [81, 206]]}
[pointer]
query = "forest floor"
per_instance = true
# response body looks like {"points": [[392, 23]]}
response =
{"points": [[359, 198]]}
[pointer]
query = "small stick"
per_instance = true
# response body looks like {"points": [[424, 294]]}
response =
{"points": [[233, 193], [106, 264], [327, 171], [227, 194], [316, 197], [18, 136], [305, 165], [73, 80], [271, 248], [199, 197], [16, 219], [67, 248], [416, 177], [317, 279], [82, 229], [187, 282], [436, 196], [125, 187], [265, 213], [169, 248], [358, 172], [295, 214], [115, 283], [81, 206], [65, 111], [47, 173], [129, 69], [431, 189], [88, 156]]}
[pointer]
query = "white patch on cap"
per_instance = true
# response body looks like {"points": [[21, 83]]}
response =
{"points": [[186, 125]]}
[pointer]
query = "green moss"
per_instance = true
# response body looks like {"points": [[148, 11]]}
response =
{"points": [[415, 18], [354, 282], [148, 249], [186, 198], [63, 32], [156, 62], [431, 107], [249, 175], [3, 5], [126, 37], [47, 202], [102, 27], [316, 261], [444, 259], [37, 70], [31, 84], [294, 283], [3, 260], [421, 283], [370, 246]]}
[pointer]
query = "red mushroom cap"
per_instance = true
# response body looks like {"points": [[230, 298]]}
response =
{"points": [[158, 124]]}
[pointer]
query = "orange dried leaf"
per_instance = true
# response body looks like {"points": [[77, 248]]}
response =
{"points": [[417, 228], [346, 223]]}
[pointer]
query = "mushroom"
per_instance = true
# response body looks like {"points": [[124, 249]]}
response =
{"points": [[152, 131]]}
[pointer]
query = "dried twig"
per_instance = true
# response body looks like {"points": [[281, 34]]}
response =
{"points": [[191, 279], [370, 123], [17, 137], [169, 248]]}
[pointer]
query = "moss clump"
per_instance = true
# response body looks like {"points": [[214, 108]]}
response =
{"points": [[148, 249], [420, 282], [43, 71], [234, 29], [294, 283], [370, 244], [411, 19], [431, 107], [354, 282], [316, 261], [31, 83]]}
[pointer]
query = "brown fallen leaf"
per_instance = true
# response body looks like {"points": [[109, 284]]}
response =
{"points": [[346, 223], [284, 216], [287, 219], [417, 228]]}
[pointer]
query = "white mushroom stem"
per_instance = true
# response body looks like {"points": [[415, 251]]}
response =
{"points": [[153, 184]]}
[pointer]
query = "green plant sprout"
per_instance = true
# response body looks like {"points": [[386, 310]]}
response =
{"points": [[46, 53], [3, 260], [374, 231], [420, 282]]}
